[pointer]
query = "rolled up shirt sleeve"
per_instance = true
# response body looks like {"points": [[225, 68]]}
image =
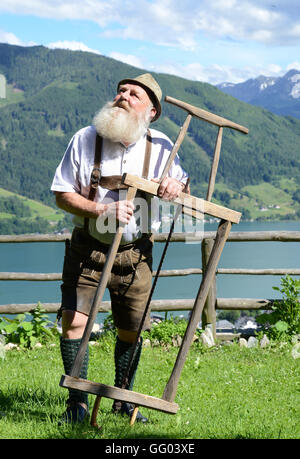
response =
{"points": [[177, 172], [66, 178]]}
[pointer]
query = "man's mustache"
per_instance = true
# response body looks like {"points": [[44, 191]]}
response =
{"points": [[122, 104]]}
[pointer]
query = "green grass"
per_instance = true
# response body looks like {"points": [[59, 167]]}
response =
{"points": [[288, 184], [225, 392], [274, 200], [58, 132], [13, 96], [38, 209], [267, 196]]}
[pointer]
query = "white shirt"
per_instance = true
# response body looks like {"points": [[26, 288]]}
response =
{"points": [[74, 173]]}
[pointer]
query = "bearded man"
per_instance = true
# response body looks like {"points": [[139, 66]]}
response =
{"points": [[118, 142]]}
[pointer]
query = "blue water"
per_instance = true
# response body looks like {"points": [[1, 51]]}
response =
{"points": [[48, 258]]}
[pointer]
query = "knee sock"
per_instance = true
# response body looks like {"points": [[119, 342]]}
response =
{"points": [[69, 349], [123, 352]]}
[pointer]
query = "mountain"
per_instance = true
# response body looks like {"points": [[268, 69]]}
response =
{"points": [[280, 95], [50, 94]]}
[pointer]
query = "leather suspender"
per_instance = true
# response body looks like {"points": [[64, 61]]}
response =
{"points": [[112, 182], [146, 164], [96, 172]]}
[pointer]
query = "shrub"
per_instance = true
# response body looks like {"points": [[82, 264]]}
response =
{"points": [[26, 333], [164, 331], [284, 320]]}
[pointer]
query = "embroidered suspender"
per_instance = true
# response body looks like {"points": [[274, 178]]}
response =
{"points": [[112, 182]]}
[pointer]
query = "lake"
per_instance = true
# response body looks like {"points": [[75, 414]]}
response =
{"points": [[48, 258]]}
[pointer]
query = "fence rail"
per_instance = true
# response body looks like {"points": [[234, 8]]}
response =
{"points": [[234, 236], [156, 305], [42, 277], [212, 303]]}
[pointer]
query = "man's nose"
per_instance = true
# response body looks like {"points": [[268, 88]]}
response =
{"points": [[125, 95]]}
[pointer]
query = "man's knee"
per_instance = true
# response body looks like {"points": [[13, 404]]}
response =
{"points": [[126, 335], [73, 324]]}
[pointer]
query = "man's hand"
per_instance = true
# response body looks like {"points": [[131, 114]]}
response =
{"points": [[79, 205], [121, 210], [169, 188]]}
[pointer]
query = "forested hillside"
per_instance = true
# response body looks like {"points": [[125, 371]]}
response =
{"points": [[53, 93]]}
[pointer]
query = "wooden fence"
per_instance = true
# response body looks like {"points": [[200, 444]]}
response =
{"points": [[212, 303]]}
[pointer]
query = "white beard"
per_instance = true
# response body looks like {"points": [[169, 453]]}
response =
{"points": [[121, 124]]}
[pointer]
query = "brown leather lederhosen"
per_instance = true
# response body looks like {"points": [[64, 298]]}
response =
{"points": [[112, 182], [129, 284]]}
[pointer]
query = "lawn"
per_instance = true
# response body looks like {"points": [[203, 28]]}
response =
{"points": [[226, 392], [37, 208]]}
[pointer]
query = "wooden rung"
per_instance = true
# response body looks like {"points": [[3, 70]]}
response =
{"points": [[207, 116], [95, 411], [184, 199], [134, 415], [116, 393]]}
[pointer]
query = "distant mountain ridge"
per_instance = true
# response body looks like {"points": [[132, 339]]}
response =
{"points": [[280, 95]]}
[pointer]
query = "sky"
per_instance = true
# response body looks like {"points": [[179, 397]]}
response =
{"points": [[201, 40]]}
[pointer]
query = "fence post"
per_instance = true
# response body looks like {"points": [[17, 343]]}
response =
{"points": [[209, 310]]}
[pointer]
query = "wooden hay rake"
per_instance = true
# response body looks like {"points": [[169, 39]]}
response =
{"points": [[190, 205]]}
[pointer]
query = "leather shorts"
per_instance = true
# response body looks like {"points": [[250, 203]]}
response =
{"points": [[129, 282]]}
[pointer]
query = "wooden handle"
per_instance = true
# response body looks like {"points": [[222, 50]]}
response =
{"points": [[95, 411], [176, 146], [134, 415], [76, 368], [221, 237], [214, 166], [207, 116]]}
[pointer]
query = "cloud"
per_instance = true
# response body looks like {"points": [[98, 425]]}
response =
{"points": [[215, 74], [221, 31], [261, 21], [294, 65], [212, 74], [72, 45], [8, 37], [12, 39], [93, 10], [173, 23], [127, 59]]}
